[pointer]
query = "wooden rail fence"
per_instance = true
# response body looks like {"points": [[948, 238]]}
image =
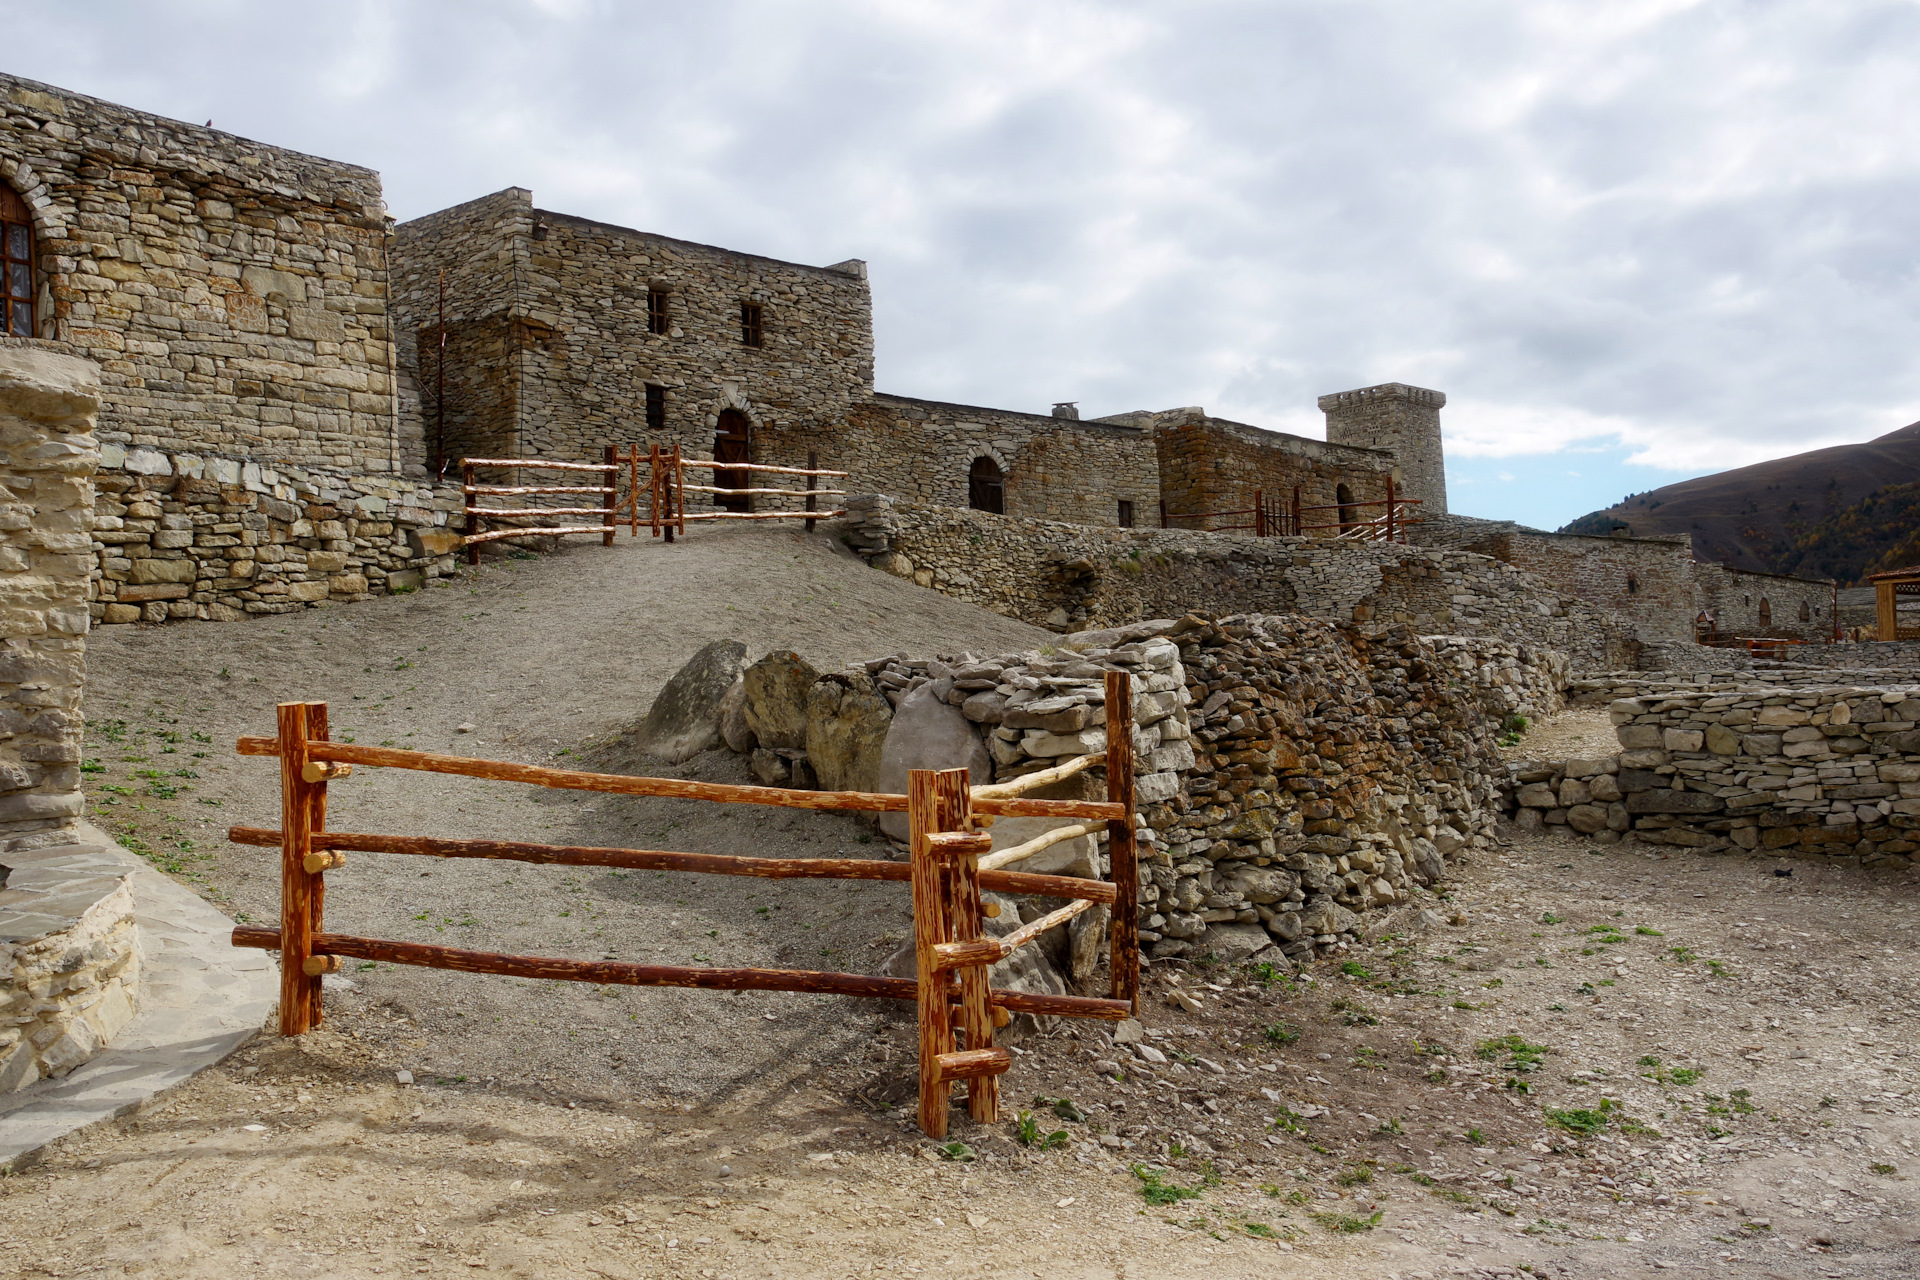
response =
{"points": [[668, 489], [607, 488], [958, 1009], [1271, 520]]}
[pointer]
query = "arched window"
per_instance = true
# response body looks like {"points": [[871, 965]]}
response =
{"points": [[1633, 585], [1806, 611], [733, 442], [16, 260], [1766, 613], [987, 486], [1344, 496]]}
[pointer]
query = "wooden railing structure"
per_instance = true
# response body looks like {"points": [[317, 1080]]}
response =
{"points": [[958, 1010], [668, 489], [1273, 521], [608, 489]]}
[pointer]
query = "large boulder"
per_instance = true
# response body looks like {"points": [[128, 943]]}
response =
{"points": [[847, 723], [776, 699], [733, 719], [685, 718], [926, 733]]}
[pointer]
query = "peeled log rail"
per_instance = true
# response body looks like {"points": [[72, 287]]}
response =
{"points": [[1045, 840], [539, 466], [1044, 777], [712, 465], [657, 860], [623, 973], [785, 493], [962, 955], [971, 1064], [524, 513], [502, 489], [765, 515], [535, 532]]}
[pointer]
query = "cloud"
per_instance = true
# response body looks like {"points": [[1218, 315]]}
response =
{"points": [[1681, 228]]}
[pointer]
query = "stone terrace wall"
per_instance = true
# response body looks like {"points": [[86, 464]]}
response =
{"points": [[188, 537], [234, 294], [554, 354], [1068, 577], [47, 457], [1607, 687], [1649, 581], [1870, 655], [1810, 771], [1059, 469]]}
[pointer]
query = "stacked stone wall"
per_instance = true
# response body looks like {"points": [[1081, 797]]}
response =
{"points": [[1648, 581], [233, 294], [1209, 464], [47, 457], [1825, 771], [69, 961], [1766, 604], [1072, 577]]}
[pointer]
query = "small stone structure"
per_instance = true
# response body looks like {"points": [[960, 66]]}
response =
{"points": [[1786, 766], [48, 403]]}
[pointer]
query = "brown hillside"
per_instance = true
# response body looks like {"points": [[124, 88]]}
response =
{"points": [[1751, 517]]}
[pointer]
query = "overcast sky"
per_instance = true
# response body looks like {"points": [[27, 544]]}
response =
{"points": [[1632, 240]]}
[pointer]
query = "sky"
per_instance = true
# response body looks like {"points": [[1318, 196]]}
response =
{"points": [[1632, 240]]}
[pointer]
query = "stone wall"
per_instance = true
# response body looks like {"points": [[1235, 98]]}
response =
{"points": [[190, 537], [1865, 655], [1766, 604], [1404, 421], [233, 294], [1601, 689], [1211, 464], [1649, 581], [550, 352], [1073, 577], [48, 453], [1809, 771]]}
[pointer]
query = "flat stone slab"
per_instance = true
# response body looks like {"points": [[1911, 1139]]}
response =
{"points": [[201, 998]]}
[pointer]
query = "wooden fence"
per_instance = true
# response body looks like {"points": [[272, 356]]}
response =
{"points": [[1271, 520], [958, 1010], [608, 490], [668, 490]]}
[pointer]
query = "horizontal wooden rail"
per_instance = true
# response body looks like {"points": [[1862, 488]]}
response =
{"points": [[1026, 933], [1013, 882], [1040, 843], [523, 513], [755, 466], [679, 788], [501, 490], [971, 1064], [784, 493], [962, 955], [765, 515], [538, 531], [541, 466], [624, 973], [1039, 778]]}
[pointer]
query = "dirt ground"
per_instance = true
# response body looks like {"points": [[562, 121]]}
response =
{"points": [[1577, 733], [1620, 1061]]}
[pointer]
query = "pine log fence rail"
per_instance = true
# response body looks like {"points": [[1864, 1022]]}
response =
{"points": [[1271, 520], [668, 488], [958, 1009], [608, 470]]}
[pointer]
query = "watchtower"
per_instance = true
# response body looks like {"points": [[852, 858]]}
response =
{"points": [[1403, 420]]}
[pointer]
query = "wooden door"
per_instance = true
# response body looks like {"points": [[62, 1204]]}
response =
{"points": [[733, 442]]}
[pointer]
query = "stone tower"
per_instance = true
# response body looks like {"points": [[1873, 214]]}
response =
{"points": [[1402, 419]]}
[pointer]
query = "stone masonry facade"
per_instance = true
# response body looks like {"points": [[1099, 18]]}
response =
{"points": [[48, 404], [1405, 422]]}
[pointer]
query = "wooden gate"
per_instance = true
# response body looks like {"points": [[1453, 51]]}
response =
{"points": [[958, 1009]]}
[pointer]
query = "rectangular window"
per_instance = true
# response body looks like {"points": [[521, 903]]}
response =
{"points": [[656, 407], [656, 311], [750, 324], [1126, 514]]}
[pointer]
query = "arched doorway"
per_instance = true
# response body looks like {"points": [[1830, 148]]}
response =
{"points": [[987, 487], [733, 442], [1766, 613], [1344, 497]]}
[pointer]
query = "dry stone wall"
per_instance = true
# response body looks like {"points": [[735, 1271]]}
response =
{"points": [[47, 458], [234, 294], [1072, 577], [1807, 770], [1766, 604]]}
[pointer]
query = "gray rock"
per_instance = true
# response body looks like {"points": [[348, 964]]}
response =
{"points": [[685, 718], [1234, 943], [1264, 884], [1086, 941], [926, 733], [776, 692], [770, 768], [734, 730], [1662, 800], [1322, 915], [1587, 818], [847, 723]]}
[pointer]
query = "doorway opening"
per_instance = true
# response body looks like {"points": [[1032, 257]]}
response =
{"points": [[733, 442]]}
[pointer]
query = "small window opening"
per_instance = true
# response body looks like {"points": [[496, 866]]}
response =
{"points": [[1806, 611], [656, 311], [987, 487], [1633, 585], [16, 263], [1126, 514], [1344, 497], [656, 407], [750, 324]]}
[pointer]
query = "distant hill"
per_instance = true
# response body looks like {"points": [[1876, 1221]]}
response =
{"points": [[1807, 515]]}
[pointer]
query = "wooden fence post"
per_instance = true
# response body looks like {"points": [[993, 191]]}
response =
{"points": [[930, 922], [1389, 508], [679, 492], [473, 521], [633, 489], [610, 500], [813, 464], [300, 801], [1259, 513], [1122, 853], [1296, 512], [954, 812]]}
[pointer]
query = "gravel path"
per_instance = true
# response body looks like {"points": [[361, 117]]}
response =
{"points": [[551, 659]]}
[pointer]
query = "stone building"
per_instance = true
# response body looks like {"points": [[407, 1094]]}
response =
{"points": [[1741, 602], [1403, 421], [234, 297]]}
